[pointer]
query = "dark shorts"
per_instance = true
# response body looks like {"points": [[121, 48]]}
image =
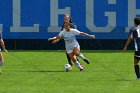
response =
{"points": [[137, 54]]}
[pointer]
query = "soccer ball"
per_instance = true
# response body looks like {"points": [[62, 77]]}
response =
{"points": [[67, 67]]}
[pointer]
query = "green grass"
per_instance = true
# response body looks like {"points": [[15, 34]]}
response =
{"points": [[42, 72]]}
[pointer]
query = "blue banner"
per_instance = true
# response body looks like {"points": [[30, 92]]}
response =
{"points": [[41, 19]]}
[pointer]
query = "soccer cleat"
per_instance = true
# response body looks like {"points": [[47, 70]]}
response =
{"points": [[138, 78], [81, 70], [86, 60]]}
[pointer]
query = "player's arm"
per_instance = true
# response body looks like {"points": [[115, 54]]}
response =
{"points": [[127, 43], [54, 39], [3, 45], [87, 35]]}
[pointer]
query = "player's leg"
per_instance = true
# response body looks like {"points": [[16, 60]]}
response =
{"points": [[76, 51], [79, 54], [69, 59], [84, 58], [74, 59], [136, 67], [1, 62]]}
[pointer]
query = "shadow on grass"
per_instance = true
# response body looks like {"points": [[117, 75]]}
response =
{"points": [[124, 80], [44, 71]]}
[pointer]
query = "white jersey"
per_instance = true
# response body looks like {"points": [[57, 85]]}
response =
{"points": [[70, 38]]}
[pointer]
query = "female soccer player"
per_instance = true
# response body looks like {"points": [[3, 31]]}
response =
{"points": [[1, 56], [67, 19], [71, 44], [134, 35]]}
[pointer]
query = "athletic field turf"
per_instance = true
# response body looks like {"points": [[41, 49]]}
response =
{"points": [[42, 72]]}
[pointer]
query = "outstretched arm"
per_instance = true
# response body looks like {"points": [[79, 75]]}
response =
{"points": [[127, 43], [87, 35], [54, 39]]}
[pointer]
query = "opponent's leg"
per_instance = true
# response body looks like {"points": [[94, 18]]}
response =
{"points": [[136, 67], [1, 62], [69, 59]]}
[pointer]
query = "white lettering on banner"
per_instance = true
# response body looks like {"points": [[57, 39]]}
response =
{"points": [[1, 27], [90, 21], [54, 15], [132, 12], [17, 20], [112, 1], [90, 18]]}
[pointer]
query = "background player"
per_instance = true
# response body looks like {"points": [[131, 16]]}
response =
{"points": [[4, 49], [134, 35]]}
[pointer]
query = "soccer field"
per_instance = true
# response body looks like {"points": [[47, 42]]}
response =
{"points": [[42, 72]]}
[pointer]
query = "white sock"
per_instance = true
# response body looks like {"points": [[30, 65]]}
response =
{"points": [[81, 56], [78, 65]]}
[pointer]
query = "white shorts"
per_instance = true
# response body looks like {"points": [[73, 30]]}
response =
{"points": [[69, 49]]}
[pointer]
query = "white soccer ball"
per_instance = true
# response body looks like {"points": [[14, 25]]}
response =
{"points": [[67, 67]]}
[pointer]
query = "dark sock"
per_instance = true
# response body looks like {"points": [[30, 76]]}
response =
{"points": [[77, 59], [69, 59], [137, 71]]}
